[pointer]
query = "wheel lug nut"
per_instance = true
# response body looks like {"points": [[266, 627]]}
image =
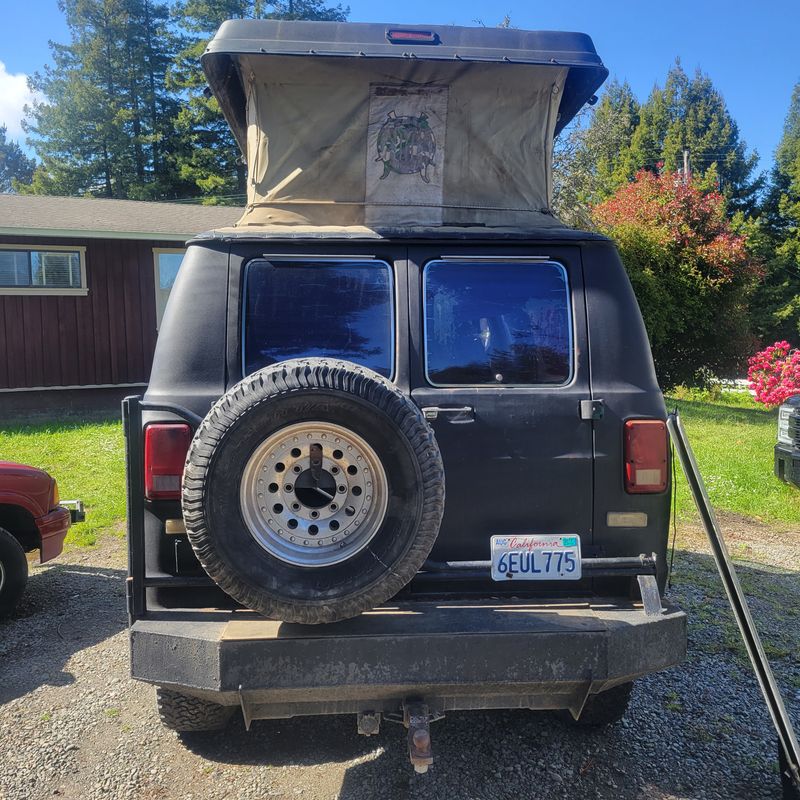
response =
{"points": [[288, 487]]}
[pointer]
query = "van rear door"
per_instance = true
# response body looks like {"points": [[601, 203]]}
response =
{"points": [[499, 360]]}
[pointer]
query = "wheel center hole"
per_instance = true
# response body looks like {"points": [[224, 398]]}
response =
{"points": [[313, 494]]}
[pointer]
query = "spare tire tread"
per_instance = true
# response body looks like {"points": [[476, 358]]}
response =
{"points": [[309, 375]]}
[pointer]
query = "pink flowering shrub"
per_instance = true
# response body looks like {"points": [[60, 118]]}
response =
{"points": [[774, 373]]}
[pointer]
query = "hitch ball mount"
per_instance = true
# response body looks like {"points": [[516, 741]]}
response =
{"points": [[416, 717]]}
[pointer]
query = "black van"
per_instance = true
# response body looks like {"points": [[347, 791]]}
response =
{"points": [[398, 466]]}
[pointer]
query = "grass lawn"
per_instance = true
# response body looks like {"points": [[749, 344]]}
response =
{"points": [[88, 461], [732, 437]]}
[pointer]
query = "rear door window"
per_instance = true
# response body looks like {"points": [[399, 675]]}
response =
{"points": [[335, 309], [503, 323]]}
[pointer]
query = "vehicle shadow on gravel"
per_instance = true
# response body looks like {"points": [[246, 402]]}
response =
{"points": [[493, 755], [65, 609]]}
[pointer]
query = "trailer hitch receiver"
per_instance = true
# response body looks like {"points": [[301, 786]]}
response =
{"points": [[418, 721]]}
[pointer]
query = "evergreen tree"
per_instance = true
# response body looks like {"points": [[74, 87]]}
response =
{"points": [[623, 137], [615, 120], [104, 126], [213, 162], [777, 302], [15, 166], [690, 114], [646, 147], [590, 159]]}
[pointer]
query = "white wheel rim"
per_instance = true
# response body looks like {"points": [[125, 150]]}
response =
{"points": [[335, 508]]}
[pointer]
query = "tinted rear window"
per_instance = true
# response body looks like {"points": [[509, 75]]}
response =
{"points": [[305, 308], [497, 323]]}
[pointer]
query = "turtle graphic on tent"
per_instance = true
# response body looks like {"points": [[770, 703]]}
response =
{"points": [[406, 145]]}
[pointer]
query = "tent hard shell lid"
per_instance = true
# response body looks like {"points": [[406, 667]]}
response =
{"points": [[387, 126]]}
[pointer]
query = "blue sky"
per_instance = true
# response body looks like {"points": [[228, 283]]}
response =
{"points": [[750, 50]]}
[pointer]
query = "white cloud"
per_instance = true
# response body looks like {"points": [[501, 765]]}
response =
{"points": [[14, 95]]}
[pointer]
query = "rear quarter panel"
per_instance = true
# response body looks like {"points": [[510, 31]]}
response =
{"points": [[624, 377], [189, 361]]}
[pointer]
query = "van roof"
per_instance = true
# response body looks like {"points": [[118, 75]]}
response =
{"points": [[385, 126], [380, 40]]}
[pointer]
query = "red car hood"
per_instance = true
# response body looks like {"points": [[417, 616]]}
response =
{"points": [[13, 468]]}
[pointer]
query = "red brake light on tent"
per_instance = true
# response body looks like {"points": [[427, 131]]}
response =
{"points": [[399, 36], [646, 456], [165, 448]]}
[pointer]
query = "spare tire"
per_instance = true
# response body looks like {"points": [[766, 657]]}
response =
{"points": [[313, 491]]}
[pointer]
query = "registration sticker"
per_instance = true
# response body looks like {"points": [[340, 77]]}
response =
{"points": [[536, 557]]}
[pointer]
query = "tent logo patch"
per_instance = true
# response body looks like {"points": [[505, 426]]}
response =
{"points": [[405, 154], [406, 145]]}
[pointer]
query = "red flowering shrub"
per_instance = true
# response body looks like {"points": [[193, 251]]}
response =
{"points": [[691, 272], [774, 373]]}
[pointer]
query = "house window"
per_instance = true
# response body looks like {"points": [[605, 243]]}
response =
{"points": [[43, 270], [167, 261]]}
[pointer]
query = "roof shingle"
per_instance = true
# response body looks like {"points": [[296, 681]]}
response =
{"points": [[41, 215]]}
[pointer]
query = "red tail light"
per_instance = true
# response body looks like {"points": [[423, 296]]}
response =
{"points": [[646, 457], [165, 448]]}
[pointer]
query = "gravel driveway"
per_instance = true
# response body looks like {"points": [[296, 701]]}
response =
{"points": [[72, 725]]}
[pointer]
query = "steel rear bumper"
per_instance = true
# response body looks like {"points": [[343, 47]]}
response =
{"points": [[454, 656]]}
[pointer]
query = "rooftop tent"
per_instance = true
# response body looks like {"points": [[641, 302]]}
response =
{"points": [[384, 126]]}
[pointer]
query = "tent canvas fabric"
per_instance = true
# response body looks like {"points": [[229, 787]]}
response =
{"points": [[399, 142]]}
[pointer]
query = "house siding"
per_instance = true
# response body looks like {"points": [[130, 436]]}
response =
{"points": [[104, 338]]}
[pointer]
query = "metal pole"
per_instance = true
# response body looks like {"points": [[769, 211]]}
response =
{"points": [[741, 611]]}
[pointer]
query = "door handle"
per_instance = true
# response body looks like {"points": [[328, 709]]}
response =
{"points": [[432, 412]]}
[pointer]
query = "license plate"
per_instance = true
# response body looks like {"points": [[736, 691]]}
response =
{"points": [[536, 557]]}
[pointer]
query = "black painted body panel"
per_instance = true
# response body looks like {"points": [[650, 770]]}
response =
{"points": [[623, 376], [523, 462], [528, 462], [189, 363]]}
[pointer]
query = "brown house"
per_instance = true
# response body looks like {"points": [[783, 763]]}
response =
{"points": [[83, 285]]}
